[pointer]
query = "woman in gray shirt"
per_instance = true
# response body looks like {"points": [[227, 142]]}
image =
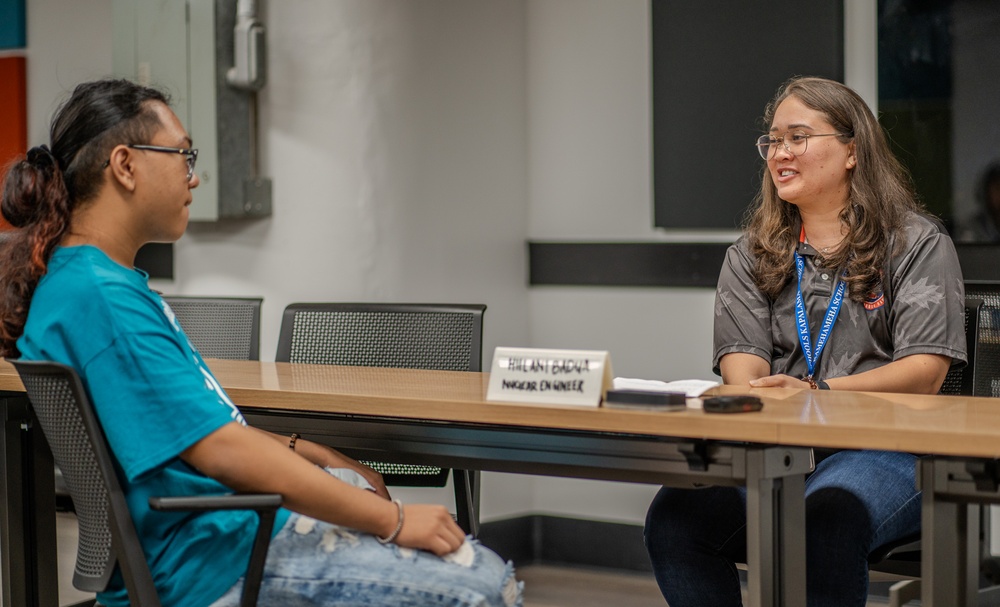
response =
{"points": [[840, 282]]}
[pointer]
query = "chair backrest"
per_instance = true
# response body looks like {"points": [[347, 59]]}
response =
{"points": [[987, 381], [107, 534], [438, 337], [441, 337], [220, 327], [963, 381]]}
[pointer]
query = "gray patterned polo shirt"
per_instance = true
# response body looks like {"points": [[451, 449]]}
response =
{"points": [[922, 313]]}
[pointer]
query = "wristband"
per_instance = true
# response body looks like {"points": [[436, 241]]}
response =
{"points": [[291, 440], [399, 525]]}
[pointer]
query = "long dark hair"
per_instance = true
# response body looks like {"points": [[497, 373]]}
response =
{"points": [[42, 190], [880, 197]]}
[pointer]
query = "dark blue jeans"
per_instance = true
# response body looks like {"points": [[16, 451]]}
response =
{"points": [[856, 501]]}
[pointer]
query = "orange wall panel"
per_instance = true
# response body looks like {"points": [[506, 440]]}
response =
{"points": [[13, 113]]}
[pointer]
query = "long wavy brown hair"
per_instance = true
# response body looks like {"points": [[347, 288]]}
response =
{"points": [[42, 189], [880, 196]]}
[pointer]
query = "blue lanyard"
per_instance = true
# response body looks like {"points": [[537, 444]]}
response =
{"points": [[803, 321]]}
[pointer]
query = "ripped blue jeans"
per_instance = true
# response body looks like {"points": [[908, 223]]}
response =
{"points": [[312, 563]]}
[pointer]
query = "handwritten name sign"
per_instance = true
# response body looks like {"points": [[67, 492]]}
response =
{"points": [[564, 377]]}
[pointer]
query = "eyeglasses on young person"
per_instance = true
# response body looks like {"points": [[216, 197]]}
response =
{"points": [[795, 143]]}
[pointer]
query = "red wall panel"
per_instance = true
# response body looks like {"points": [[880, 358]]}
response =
{"points": [[13, 113]]}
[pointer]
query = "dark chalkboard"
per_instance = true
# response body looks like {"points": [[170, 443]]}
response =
{"points": [[716, 64]]}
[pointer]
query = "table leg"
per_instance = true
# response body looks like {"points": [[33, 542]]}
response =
{"points": [[27, 510], [467, 499], [776, 543], [947, 579]]}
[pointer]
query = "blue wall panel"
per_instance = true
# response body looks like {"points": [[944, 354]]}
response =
{"points": [[12, 24]]}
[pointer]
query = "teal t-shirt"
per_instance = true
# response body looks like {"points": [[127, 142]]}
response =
{"points": [[155, 397]]}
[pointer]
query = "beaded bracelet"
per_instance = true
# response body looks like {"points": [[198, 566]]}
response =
{"points": [[399, 525], [291, 440]]}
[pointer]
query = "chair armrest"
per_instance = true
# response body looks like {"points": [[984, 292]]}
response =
{"points": [[266, 506], [232, 501]]}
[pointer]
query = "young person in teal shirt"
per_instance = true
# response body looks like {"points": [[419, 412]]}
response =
{"points": [[119, 174]]}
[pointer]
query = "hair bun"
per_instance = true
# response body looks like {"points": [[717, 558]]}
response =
{"points": [[41, 157], [30, 186]]}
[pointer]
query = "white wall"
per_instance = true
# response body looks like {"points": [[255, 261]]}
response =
{"points": [[83, 52]]}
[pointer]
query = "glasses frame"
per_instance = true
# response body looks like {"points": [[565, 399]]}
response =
{"points": [[767, 145], [190, 153]]}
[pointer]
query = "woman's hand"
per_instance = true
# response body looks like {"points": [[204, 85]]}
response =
{"points": [[779, 381], [429, 527]]}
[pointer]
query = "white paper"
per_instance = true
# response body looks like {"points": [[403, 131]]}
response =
{"points": [[693, 388]]}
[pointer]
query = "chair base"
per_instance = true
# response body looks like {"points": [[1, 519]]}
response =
{"points": [[903, 592]]}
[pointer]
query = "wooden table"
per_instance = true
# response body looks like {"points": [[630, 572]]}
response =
{"points": [[442, 418], [447, 411]]}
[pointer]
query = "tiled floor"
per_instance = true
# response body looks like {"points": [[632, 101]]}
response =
{"points": [[548, 586]]}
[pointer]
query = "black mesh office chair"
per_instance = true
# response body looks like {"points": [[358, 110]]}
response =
{"points": [[220, 327], [987, 381], [962, 382], [978, 378], [107, 534], [412, 336]]}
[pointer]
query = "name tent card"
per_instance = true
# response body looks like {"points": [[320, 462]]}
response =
{"points": [[561, 377]]}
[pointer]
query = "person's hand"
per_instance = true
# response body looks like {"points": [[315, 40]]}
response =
{"points": [[429, 527], [779, 381]]}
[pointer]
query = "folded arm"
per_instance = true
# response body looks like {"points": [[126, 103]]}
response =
{"points": [[915, 374]]}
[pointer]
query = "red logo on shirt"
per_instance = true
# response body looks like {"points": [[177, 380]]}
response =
{"points": [[874, 301]]}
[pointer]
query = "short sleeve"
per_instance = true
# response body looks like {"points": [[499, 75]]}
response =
{"points": [[153, 400], [742, 312], [928, 298]]}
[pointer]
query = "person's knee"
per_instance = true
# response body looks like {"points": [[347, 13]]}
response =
{"points": [[838, 524], [667, 518], [681, 518], [863, 496], [492, 569]]}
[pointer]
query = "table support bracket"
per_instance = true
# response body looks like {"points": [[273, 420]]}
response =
{"points": [[985, 474], [696, 454]]}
